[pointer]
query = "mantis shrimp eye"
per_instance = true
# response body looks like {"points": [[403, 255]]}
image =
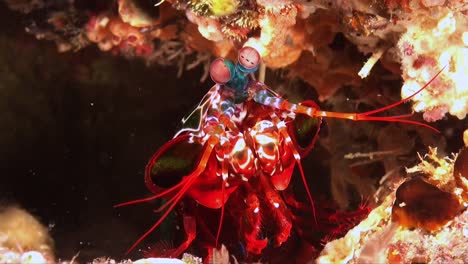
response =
{"points": [[219, 71], [249, 58]]}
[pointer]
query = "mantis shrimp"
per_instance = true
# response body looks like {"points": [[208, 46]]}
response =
{"points": [[240, 156]]}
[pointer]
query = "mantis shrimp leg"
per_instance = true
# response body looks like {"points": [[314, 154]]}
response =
{"points": [[251, 224], [190, 228], [184, 185], [279, 211], [284, 132]]}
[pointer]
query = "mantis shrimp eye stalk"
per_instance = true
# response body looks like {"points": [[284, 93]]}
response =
{"points": [[249, 59], [220, 71]]}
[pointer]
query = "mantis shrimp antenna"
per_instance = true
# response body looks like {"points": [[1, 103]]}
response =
{"points": [[265, 98]]}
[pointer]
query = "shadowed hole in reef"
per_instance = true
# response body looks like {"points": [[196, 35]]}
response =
{"points": [[77, 131]]}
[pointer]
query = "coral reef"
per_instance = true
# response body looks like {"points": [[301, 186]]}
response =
{"points": [[460, 172], [186, 259], [421, 36], [419, 204], [438, 228], [23, 239], [430, 44]]}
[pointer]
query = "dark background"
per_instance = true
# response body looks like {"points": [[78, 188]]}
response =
{"points": [[76, 130]]}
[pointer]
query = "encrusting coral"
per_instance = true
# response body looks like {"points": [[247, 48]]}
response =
{"points": [[422, 36], [23, 239], [431, 43], [435, 237], [419, 204]]}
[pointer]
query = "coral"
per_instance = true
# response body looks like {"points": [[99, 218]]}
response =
{"points": [[447, 245], [23, 238], [223, 7], [460, 173], [279, 43], [465, 138], [394, 31], [200, 8], [113, 33], [209, 28], [378, 239], [419, 204], [335, 69], [134, 15], [432, 43], [408, 32], [244, 19], [30, 257], [186, 259], [347, 248], [438, 171], [217, 20]]}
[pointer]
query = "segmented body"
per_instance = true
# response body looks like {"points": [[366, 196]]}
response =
{"points": [[239, 157]]}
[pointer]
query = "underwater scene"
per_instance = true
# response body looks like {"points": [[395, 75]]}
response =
{"points": [[233, 131]]}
